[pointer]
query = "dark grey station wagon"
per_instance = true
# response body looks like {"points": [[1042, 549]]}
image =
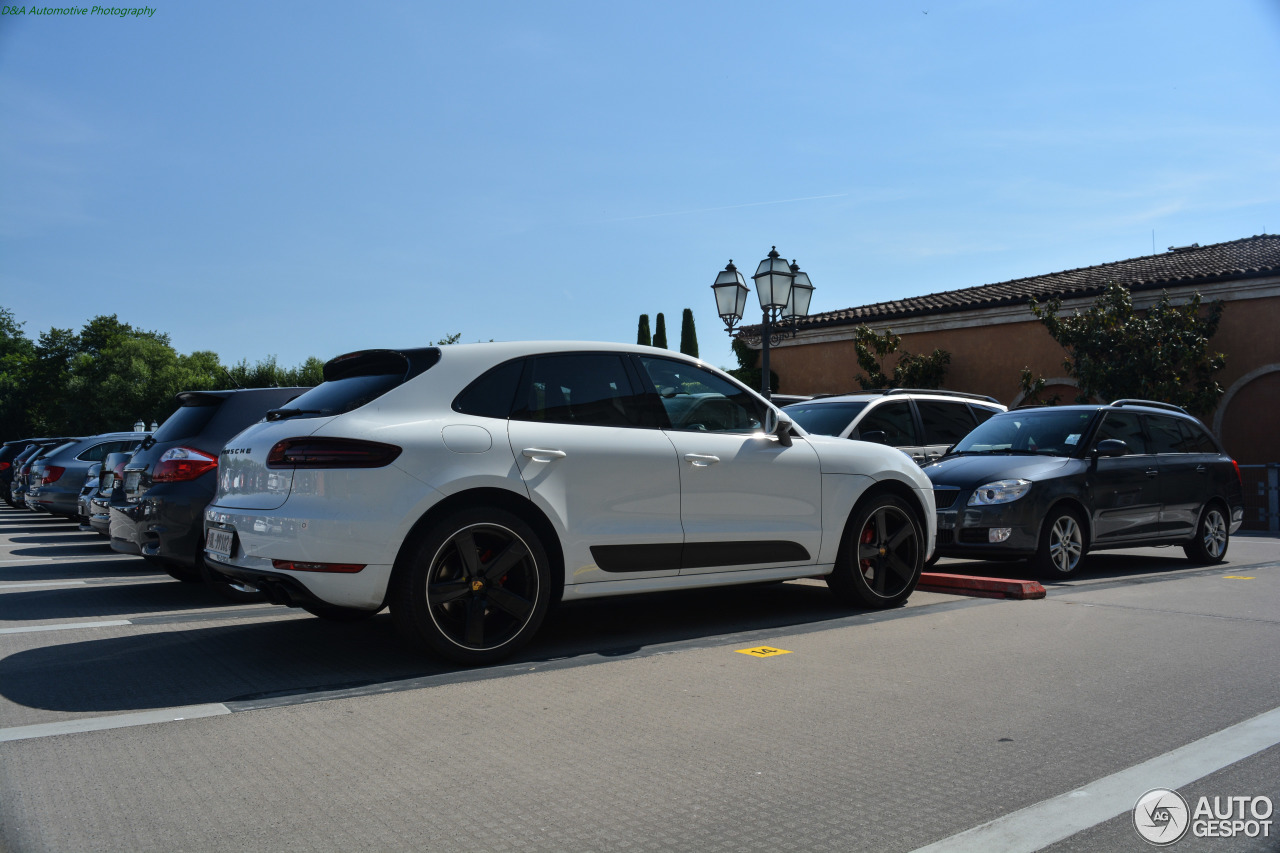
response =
{"points": [[1054, 482]]}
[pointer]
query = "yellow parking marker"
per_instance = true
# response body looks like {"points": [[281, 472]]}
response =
{"points": [[763, 652], [1238, 578]]}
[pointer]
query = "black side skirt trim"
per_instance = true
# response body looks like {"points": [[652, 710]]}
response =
{"points": [[698, 555]]}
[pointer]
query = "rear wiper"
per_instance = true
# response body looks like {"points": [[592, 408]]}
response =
{"points": [[281, 414], [147, 442]]}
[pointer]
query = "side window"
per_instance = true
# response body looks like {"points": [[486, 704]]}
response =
{"points": [[697, 400], [97, 452], [1125, 426], [944, 423], [1195, 439], [588, 389], [1165, 435], [894, 420], [982, 413], [491, 395]]}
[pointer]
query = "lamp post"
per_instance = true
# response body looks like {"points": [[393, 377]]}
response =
{"points": [[784, 293]]}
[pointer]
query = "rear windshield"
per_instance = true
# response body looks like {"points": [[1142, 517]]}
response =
{"points": [[824, 418], [192, 417], [352, 381]]}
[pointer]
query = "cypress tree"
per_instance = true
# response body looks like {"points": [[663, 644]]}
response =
{"points": [[688, 334], [642, 334], [660, 332]]}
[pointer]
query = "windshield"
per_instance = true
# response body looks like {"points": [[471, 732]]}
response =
{"points": [[824, 418], [1044, 432]]}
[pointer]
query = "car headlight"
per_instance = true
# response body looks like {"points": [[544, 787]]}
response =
{"points": [[999, 492]]}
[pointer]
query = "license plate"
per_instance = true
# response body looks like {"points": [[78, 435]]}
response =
{"points": [[131, 481], [220, 541]]}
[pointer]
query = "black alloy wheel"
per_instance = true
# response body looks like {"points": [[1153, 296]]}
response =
{"points": [[881, 556], [476, 589]]}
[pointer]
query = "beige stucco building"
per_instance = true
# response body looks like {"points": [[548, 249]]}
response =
{"points": [[992, 335]]}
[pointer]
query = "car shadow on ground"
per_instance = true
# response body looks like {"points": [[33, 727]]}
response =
{"points": [[107, 601], [187, 665], [1098, 566], [78, 570], [36, 526], [70, 550]]}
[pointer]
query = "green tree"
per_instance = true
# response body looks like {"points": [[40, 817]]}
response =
{"points": [[660, 331], [118, 374], [1161, 354], [17, 359], [47, 383], [1032, 388], [911, 370], [642, 332], [688, 334]]}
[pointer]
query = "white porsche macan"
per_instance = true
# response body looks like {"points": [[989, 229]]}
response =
{"points": [[470, 487]]}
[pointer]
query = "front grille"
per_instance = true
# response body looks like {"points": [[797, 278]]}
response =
{"points": [[945, 496]]}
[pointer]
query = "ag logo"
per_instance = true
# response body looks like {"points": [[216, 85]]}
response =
{"points": [[1161, 817]]}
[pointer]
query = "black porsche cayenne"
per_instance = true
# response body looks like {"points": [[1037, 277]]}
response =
{"points": [[1051, 483]]}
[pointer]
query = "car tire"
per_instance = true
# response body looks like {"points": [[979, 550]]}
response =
{"points": [[881, 554], [1062, 546], [1213, 535], [473, 588]]}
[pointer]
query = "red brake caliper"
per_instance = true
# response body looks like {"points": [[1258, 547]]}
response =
{"points": [[868, 536]]}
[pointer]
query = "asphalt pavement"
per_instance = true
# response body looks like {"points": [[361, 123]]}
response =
{"points": [[141, 713]]}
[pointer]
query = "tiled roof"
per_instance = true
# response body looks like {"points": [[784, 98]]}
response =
{"points": [[1251, 257]]}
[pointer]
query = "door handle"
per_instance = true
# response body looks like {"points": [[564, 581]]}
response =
{"points": [[1200, 469], [701, 460], [538, 454], [1151, 472]]}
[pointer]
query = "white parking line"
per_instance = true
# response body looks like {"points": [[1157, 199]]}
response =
{"points": [[90, 558], [115, 721], [1048, 822], [66, 626], [5, 587]]}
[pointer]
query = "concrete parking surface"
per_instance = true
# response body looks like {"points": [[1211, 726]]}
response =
{"points": [[140, 713]]}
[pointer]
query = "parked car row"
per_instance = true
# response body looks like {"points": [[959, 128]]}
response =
{"points": [[471, 488]]}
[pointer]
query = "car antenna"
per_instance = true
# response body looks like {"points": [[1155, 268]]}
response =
{"points": [[232, 378]]}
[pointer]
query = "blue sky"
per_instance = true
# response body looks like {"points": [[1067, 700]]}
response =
{"points": [[298, 179]]}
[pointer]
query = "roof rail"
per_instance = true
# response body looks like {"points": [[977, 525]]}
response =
{"points": [[940, 392], [1155, 404]]}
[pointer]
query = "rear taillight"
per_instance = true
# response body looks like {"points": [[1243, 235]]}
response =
{"points": [[298, 566], [1236, 465], [330, 453], [52, 473], [5, 466], [182, 463]]}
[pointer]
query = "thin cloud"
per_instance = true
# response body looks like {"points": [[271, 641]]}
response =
{"points": [[724, 207]]}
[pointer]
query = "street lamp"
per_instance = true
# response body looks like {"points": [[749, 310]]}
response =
{"points": [[784, 293]]}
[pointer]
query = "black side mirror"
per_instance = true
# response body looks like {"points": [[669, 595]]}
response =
{"points": [[878, 436], [1111, 447]]}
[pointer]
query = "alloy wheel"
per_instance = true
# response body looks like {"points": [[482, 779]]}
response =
{"points": [[1215, 533], [482, 587], [1066, 544], [888, 548]]}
